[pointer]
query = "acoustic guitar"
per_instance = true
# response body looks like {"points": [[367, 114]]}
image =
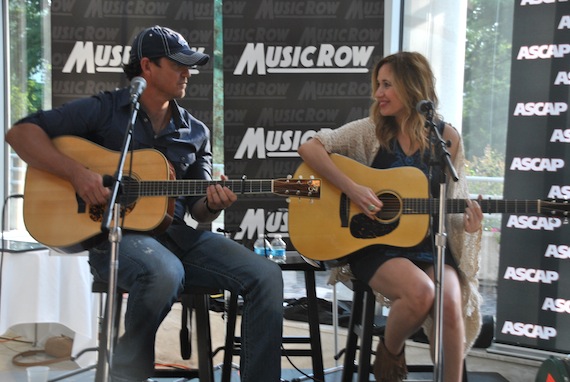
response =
{"points": [[55, 216], [332, 226]]}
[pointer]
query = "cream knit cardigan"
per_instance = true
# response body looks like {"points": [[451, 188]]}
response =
{"points": [[357, 140]]}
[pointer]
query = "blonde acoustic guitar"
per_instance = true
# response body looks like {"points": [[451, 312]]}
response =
{"points": [[331, 226], [55, 216]]}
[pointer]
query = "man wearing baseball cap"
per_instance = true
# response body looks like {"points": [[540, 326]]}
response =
{"points": [[154, 268], [159, 42]]}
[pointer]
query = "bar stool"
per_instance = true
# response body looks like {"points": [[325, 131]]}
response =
{"points": [[192, 299], [232, 345], [362, 327]]}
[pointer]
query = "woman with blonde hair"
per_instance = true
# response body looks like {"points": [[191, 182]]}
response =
{"points": [[394, 135]]}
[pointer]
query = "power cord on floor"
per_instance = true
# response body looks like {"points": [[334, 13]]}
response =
{"points": [[296, 368]]}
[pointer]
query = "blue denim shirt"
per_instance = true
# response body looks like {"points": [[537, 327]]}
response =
{"points": [[104, 118]]}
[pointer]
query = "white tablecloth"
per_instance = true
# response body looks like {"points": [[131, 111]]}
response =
{"points": [[47, 294]]}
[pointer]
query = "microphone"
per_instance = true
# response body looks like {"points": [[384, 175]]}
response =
{"points": [[138, 84], [425, 106]]}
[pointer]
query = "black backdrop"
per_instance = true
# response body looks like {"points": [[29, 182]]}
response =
{"points": [[291, 69], [533, 304]]}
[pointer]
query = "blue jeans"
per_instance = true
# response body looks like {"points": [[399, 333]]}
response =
{"points": [[155, 270]]}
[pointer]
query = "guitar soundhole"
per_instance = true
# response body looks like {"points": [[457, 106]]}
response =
{"points": [[387, 220], [127, 201], [96, 212], [392, 207]]}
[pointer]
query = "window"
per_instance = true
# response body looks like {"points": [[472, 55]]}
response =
{"points": [[29, 90]]}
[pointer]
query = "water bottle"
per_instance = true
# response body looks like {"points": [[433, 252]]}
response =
{"points": [[278, 248], [262, 246]]}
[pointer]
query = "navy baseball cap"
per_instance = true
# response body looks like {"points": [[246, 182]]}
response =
{"points": [[157, 41]]}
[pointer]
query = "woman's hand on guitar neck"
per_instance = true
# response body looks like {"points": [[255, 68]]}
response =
{"points": [[473, 216]]}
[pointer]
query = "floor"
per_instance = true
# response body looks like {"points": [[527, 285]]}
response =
{"points": [[482, 365]]}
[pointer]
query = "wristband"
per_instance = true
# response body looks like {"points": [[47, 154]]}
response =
{"points": [[211, 210]]}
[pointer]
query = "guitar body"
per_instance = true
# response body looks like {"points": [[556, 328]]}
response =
{"points": [[57, 218], [332, 227]]}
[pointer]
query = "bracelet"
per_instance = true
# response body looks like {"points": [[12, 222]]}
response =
{"points": [[211, 210]]}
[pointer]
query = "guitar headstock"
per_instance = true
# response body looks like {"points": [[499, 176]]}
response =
{"points": [[555, 207], [302, 188]]}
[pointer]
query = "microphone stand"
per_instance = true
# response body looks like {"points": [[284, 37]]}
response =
{"points": [[115, 235], [441, 157]]}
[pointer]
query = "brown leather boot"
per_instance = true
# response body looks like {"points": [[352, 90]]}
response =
{"points": [[389, 367]]}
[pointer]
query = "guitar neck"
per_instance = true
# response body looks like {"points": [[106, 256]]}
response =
{"points": [[174, 188], [429, 206]]}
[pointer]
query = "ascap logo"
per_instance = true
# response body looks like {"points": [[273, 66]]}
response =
{"points": [[536, 223], [562, 78], [324, 58], [540, 108], [534, 52], [105, 8], [270, 9], [537, 164], [564, 22], [559, 192], [521, 329], [558, 305], [531, 275], [557, 251], [254, 222], [559, 135], [100, 58], [285, 143]]}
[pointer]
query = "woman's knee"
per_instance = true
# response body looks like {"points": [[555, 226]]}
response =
{"points": [[453, 312], [421, 299]]}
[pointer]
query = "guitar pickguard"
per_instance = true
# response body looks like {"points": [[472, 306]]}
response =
{"points": [[362, 227]]}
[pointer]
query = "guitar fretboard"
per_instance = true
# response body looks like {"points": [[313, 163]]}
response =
{"points": [[194, 187], [430, 206]]}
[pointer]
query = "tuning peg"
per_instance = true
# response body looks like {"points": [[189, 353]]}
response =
{"points": [[300, 176], [312, 177], [289, 177], [288, 200]]}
